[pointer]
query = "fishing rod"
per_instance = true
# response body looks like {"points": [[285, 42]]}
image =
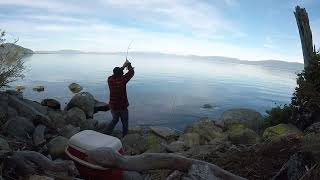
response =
{"points": [[128, 49]]}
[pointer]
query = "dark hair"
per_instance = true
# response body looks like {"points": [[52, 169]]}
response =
{"points": [[117, 71]]}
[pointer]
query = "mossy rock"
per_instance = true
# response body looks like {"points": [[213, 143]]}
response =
{"points": [[281, 130], [152, 140], [239, 134]]}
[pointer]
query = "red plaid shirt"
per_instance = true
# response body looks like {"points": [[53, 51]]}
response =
{"points": [[118, 90]]}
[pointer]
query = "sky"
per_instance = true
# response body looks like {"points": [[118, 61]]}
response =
{"points": [[244, 29]]}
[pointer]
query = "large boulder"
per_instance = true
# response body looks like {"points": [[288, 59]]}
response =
{"points": [[51, 103], [206, 129], [12, 112], [3, 114], [15, 93], [190, 139], [29, 110], [75, 116], [89, 124], [101, 106], [251, 118], [4, 146], [57, 146], [134, 144], [42, 109], [239, 134], [75, 88], [164, 132], [68, 131], [311, 143], [57, 119], [85, 101], [281, 130], [314, 128], [19, 127], [176, 146]]}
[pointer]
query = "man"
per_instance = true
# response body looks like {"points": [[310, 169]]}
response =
{"points": [[118, 96]]}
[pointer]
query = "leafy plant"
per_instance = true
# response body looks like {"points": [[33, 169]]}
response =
{"points": [[306, 99], [11, 63], [278, 115]]}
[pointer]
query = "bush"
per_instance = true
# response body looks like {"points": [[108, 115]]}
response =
{"points": [[306, 99], [278, 115], [11, 64]]}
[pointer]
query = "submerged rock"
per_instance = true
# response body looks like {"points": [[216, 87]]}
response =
{"points": [[281, 130], [248, 117], [207, 106], [75, 88], [38, 88], [20, 88], [85, 101]]}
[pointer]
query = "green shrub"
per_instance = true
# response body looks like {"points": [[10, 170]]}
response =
{"points": [[306, 99], [278, 115]]}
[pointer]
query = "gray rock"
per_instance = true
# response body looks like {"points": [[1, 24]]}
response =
{"points": [[38, 88], [51, 103], [314, 128], [251, 118], [135, 129], [207, 106], [85, 101], [75, 88], [89, 124], [43, 110], [311, 143], [57, 119], [26, 110], [190, 139], [132, 175], [12, 112], [57, 146], [164, 132], [176, 146], [243, 136], [19, 127], [17, 94], [206, 129], [4, 146], [101, 106], [158, 148], [134, 144], [75, 116], [281, 130], [68, 131], [3, 115]]}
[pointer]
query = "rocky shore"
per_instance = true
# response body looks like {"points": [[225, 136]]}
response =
{"points": [[235, 142]]}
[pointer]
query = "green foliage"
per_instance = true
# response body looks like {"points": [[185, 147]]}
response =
{"points": [[278, 115], [11, 64], [306, 99]]}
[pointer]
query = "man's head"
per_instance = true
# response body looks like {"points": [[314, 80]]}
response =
{"points": [[117, 71]]}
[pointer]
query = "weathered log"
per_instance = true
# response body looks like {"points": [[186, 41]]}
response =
{"points": [[26, 163], [38, 135], [305, 34], [109, 158]]}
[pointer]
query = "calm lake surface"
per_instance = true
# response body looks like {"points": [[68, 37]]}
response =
{"points": [[164, 91]]}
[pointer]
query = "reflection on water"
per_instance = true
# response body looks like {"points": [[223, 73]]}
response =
{"points": [[164, 91]]}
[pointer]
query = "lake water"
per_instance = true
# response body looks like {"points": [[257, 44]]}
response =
{"points": [[164, 91]]}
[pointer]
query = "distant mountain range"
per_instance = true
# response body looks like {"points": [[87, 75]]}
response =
{"points": [[274, 64], [16, 48]]}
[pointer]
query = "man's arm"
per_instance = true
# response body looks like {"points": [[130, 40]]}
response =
{"points": [[130, 72]]}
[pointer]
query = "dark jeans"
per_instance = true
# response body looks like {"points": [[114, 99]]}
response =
{"points": [[124, 116]]}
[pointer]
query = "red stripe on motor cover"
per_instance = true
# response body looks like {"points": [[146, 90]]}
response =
{"points": [[77, 153]]}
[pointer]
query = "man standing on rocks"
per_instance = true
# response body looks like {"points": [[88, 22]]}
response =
{"points": [[118, 96]]}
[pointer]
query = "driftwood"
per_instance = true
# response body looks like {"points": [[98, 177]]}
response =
{"points": [[27, 163], [109, 158], [305, 34], [38, 135]]}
